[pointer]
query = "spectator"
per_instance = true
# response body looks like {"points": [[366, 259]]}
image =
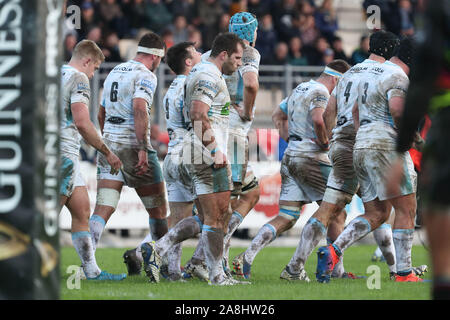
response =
{"points": [[237, 6], [309, 32], [111, 49], [182, 8], [406, 18], [362, 53], [208, 13], [328, 56], [267, 36], [281, 54], [69, 43], [258, 7], [110, 12], [338, 49], [296, 57], [95, 34], [167, 37], [157, 16], [316, 54], [325, 20], [179, 29], [223, 23], [195, 36], [88, 19], [283, 16], [135, 11]]}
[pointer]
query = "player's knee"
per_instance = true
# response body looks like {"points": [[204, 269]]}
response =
{"points": [[108, 197], [154, 201], [290, 213], [339, 198]]}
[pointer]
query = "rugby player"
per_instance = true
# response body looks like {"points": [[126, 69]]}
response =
{"points": [[342, 182], [207, 104], [124, 119], [305, 166], [75, 123], [242, 86], [376, 115]]}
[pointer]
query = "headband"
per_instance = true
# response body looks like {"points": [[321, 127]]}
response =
{"points": [[156, 52], [332, 72]]}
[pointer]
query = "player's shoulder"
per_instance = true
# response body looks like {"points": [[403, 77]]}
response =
{"points": [[73, 74], [206, 70], [251, 52]]}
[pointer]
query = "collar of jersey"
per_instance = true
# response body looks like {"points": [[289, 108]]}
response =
{"points": [[206, 61], [370, 61], [181, 76]]}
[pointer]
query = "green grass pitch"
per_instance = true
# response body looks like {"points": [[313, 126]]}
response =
{"points": [[265, 282]]}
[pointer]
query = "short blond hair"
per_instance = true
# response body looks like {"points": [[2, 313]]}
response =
{"points": [[88, 48]]}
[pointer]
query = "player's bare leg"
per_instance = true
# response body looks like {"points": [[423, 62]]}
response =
{"points": [[215, 207], [403, 233], [108, 194], [78, 205], [289, 213], [241, 208], [178, 211]]}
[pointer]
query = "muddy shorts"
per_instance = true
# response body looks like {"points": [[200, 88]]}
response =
{"points": [[128, 175], [304, 178], [178, 183], [238, 156], [70, 174], [205, 178], [342, 176], [371, 167]]}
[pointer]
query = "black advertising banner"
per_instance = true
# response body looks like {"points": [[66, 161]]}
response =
{"points": [[30, 59]]}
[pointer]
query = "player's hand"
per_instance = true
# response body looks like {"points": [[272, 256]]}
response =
{"points": [[114, 162], [220, 160], [324, 147], [394, 178], [142, 165], [418, 142], [241, 112]]}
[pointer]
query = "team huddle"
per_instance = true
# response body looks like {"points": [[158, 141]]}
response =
{"points": [[341, 134]]}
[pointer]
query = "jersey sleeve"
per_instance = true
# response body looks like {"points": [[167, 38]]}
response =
{"points": [[81, 91], [250, 61], [205, 89], [144, 87], [319, 99], [284, 106], [396, 85]]}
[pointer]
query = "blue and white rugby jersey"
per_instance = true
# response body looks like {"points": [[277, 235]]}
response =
{"points": [[380, 83], [206, 84], [75, 88], [173, 103], [346, 93], [127, 81], [298, 106], [235, 84]]}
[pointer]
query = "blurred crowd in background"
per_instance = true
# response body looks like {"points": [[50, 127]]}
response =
{"points": [[296, 32]]}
